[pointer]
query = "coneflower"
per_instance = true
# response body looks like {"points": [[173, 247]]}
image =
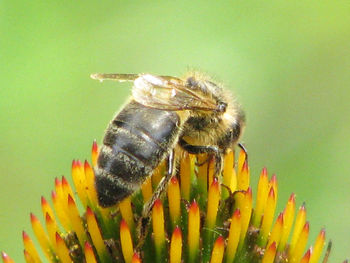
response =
{"points": [[201, 218]]}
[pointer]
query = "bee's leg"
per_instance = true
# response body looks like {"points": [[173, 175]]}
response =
{"points": [[211, 149], [146, 212], [162, 184]]}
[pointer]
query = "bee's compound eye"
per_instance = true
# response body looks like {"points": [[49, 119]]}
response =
{"points": [[222, 106]]}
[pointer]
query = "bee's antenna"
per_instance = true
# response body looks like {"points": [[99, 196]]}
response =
{"points": [[117, 77]]}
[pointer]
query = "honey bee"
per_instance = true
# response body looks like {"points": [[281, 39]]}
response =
{"points": [[164, 117]]}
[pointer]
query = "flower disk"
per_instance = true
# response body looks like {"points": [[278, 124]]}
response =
{"points": [[200, 218]]}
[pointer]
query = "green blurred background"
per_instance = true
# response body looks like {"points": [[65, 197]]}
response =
{"points": [[287, 61]]}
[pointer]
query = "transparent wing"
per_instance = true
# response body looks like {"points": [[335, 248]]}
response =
{"points": [[170, 93], [117, 77]]}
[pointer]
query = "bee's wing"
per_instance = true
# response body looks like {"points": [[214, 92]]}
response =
{"points": [[169, 93], [113, 76]]}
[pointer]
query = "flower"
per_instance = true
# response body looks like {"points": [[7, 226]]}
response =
{"points": [[200, 218]]}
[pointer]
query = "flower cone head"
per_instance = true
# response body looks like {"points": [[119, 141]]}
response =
{"points": [[201, 217]]}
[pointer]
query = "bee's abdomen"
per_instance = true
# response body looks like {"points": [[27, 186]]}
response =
{"points": [[134, 144]]}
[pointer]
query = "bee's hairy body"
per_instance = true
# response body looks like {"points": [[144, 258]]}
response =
{"points": [[166, 114]]}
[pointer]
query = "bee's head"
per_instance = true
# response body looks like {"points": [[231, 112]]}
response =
{"points": [[227, 119]]}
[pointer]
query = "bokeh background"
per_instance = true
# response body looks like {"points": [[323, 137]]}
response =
{"points": [[287, 61]]}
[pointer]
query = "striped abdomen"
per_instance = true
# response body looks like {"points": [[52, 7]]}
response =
{"points": [[136, 141]]}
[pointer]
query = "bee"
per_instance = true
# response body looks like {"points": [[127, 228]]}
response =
{"points": [[164, 117]]}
